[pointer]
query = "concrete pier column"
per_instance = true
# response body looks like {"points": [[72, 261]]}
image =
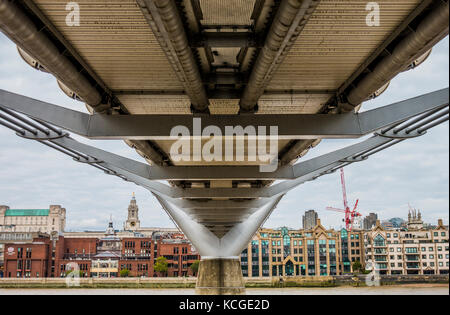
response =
{"points": [[220, 276]]}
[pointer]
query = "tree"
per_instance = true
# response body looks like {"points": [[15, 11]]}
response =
{"points": [[161, 266], [194, 267], [124, 273], [357, 267]]}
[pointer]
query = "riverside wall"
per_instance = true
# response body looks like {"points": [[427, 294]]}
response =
{"points": [[274, 282]]}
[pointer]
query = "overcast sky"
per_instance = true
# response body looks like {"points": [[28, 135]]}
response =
{"points": [[33, 176]]}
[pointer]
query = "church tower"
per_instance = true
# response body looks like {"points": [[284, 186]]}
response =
{"points": [[133, 223]]}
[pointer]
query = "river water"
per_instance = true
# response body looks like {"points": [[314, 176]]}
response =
{"points": [[386, 290]]}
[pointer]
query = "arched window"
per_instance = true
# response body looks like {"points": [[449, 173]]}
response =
{"points": [[379, 241]]}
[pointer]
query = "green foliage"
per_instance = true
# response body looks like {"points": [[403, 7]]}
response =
{"points": [[161, 265], [358, 267], [194, 267], [124, 273]]}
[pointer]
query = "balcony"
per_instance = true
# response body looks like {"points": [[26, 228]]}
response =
{"points": [[412, 259], [412, 266]]}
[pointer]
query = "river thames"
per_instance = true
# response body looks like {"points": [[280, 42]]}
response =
{"points": [[385, 290]]}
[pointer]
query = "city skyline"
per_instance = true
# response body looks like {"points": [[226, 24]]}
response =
{"points": [[414, 172]]}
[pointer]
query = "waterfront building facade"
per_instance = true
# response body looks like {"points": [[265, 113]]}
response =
{"points": [[51, 220], [41, 255], [413, 251], [34, 246], [312, 252]]}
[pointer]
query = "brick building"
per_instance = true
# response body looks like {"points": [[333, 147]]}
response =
{"points": [[179, 253], [56, 255], [28, 260]]}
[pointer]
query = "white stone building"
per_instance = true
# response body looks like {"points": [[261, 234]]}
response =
{"points": [[48, 221], [415, 250]]}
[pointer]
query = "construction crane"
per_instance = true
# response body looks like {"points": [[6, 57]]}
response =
{"points": [[350, 215]]}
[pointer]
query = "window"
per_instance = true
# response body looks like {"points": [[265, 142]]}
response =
{"points": [[379, 241]]}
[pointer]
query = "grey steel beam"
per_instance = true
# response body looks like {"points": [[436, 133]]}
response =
{"points": [[382, 48], [223, 78], [289, 22], [39, 37], [302, 172], [159, 127], [18, 26], [225, 40], [431, 29], [167, 26], [230, 205]]}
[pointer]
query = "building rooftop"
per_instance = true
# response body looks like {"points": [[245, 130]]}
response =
{"points": [[27, 212]]}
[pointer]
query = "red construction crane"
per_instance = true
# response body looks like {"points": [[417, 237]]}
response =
{"points": [[350, 215]]}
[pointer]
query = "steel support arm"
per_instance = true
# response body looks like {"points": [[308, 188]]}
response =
{"points": [[309, 170], [159, 127], [206, 242]]}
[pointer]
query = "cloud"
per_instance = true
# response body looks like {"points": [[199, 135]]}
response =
{"points": [[34, 176]]}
